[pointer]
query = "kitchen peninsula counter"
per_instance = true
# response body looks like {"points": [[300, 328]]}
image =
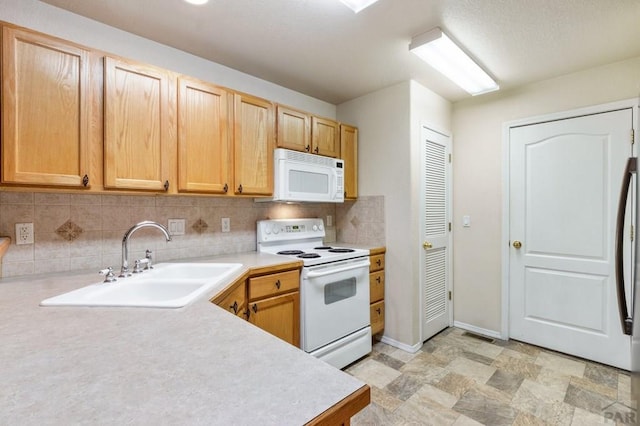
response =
{"points": [[194, 365]]}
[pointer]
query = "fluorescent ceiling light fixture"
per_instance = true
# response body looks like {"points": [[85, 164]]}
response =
{"points": [[358, 5], [197, 2], [439, 51]]}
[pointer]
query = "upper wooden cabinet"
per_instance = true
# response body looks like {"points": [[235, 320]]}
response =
{"points": [[349, 153], [325, 137], [45, 110], [254, 131], [204, 137], [294, 129], [139, 134]]}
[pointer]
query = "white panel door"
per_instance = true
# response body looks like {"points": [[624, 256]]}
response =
{"points": [[435, 259], [565, 177]]}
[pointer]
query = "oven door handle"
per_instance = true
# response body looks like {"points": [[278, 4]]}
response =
{"points": [[312, 274]]}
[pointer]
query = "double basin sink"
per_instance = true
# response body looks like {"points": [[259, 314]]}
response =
{"points": [[168, 285]]}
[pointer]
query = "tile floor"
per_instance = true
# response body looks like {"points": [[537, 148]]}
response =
{"points": [[460, 379]]}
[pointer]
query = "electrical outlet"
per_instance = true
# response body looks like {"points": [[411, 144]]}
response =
{"points": [[24, 233], [226, 224], [176, 226], [329, 220]]}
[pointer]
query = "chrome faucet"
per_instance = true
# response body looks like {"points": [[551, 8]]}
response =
{"points": [[124, 271]]}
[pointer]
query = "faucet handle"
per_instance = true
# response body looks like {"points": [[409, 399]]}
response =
{"points": [[137, 268], [149, 256], [109, 276]]}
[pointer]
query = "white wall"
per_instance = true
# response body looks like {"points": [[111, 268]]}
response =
{"points": [[389, 123], [45, 18], [477, 174]]}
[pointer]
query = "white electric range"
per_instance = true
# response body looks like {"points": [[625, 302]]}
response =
{"points": [[334, 289]]}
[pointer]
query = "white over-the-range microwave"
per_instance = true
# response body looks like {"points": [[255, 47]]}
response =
{"points": [[301, 177]]}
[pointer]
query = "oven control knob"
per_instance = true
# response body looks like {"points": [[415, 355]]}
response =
{"points": [[315, 227], [320, 227], [267, 229], [276, 229]]}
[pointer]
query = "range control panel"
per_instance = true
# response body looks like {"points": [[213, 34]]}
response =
{"points": [[289, 229]]}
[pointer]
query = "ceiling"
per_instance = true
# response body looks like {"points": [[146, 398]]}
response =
{"points": [[321, 48]]}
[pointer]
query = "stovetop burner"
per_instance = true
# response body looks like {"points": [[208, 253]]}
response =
{"points": [[323, 248], [341, 250], [309, 255], [290, 252]]}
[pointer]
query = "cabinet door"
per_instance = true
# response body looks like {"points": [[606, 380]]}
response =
{"points": [[377, 317], [325, 137], [279, 316], [236, 301], [45, 110], [294, 129], [138, 144], [349, 153], [254, 132], [204, 137]]}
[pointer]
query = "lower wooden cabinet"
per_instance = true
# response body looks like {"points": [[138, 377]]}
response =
{"points": [[377, 317], [236, 301], [268, 299], [279, 316], [376, 289]]}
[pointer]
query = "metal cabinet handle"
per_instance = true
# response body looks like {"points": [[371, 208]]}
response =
{"points": [[379, 311], [278, 284], [379, 262], [255, 308], [166, 185], [316, 150], [378, 279], [307, 148], [85, 181], [234, 307], [240, 188], [226, 188]]}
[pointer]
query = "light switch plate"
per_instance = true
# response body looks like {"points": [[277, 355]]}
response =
{"points": [[466, 221], [226, 224], [177, 226]]}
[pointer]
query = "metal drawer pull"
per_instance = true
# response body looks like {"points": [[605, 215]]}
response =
{"points": [[255, 308], [234, 307], [278, 284], [378, 311], [379, 262], [378, 279]]}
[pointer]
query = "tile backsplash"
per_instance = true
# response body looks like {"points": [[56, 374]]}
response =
{"points": [[361, 221], [84, 231]]}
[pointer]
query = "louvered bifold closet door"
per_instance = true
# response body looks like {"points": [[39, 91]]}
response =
{"points": [[435, 265]]}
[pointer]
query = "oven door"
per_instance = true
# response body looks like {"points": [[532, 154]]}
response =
{"points": [[334, 301]]}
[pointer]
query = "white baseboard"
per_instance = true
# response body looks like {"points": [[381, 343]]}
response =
{"points": [[478, 330], [407, 348]]}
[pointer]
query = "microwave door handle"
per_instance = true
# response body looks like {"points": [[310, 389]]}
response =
{"points": [[312, 274]]}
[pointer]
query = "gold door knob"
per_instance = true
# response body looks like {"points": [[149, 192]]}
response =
{"points": [[426, 245], [517, 244]]}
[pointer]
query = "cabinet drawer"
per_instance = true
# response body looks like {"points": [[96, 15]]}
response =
{"points": [[377, 317], [236, 301], [376, 286], [377, 262], [273, 284]]}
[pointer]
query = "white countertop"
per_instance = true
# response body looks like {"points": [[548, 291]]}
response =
{"points": [[194, 365]]}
